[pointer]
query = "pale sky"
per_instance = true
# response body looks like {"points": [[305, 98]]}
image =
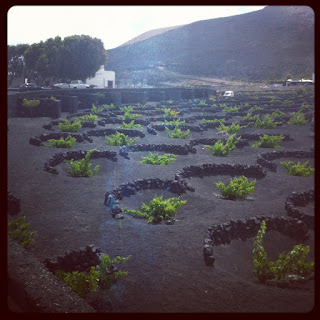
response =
{"points": [[114, 25]]}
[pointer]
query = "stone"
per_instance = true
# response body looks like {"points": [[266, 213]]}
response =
{"points": [[119, 216]]}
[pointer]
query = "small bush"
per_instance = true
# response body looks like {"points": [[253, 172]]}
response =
{"points": [[120, 139], [130, 125], [169, 113], [267, 141], [222, 149], [213, 120], [232, 129], [230, 109], [68, 142], [155, 158], [128, 115], [67, 126], [18, 231], [256, 108], [299, 169], [267, 123], [249, 117], [95, 110], [306, 107], [292, 262], [238, 188], [177, 133], [298, 119], [277, 114], [88, 117], [158, 209], [108, 106], [82, 168], [30, 103]]}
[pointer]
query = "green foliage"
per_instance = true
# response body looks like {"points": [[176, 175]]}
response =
{"points": [[177, 133], [267, 141], [256, 108], [95, 110], [18, 231], [108, 106], [299, 169], [130, 125], [128, 115], [238, 188], [298, 119], [74, 57], [170, 101], [306, 107], [80, 282], [277, 114], [232, 129], [120, 139], [103, 275], [82, 168], [173, 122], [230, 109], [15, 55], [88, 117], [68, 142], [267, 123], [67, 126], [249, 117], [126, 109], [292, 262], [287, 102], [213, 120], [30, 103], [107, 275], [170, 113], [222, 149], [158, 209], [155, 158]]}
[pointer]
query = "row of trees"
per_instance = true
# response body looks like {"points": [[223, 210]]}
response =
{"points": [[74, 57]]}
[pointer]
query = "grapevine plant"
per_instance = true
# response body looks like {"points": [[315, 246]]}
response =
{"points": [[18, 231], [177, 133], [120, 139], [221, 149], [238, 188], [288, 263], [68, 142], [299, 169], [82, 168], [155, 158], [267, 141], [158, 209], [67, 126], [233, 128]]}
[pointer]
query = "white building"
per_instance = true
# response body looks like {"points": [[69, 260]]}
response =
{"points": [[103, 79]]}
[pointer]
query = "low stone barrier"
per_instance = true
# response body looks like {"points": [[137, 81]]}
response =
{"points": [[248, 228], [300, 199], [264, 159], [107, 132], [38, 141]]}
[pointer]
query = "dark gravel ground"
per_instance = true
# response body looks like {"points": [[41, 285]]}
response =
{"points": [[167, 272]]}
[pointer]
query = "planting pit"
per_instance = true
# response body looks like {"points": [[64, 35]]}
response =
{"points": [[69, 213]]}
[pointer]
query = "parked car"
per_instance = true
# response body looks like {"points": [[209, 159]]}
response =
{"points": [[61, 85], [228, 94], [78, 84], [29, 86]]}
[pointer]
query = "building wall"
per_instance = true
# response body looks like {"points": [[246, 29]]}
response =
{"points": [[102, 77]]}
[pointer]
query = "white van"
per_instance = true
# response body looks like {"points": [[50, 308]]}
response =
{"points": [[228, 94]]}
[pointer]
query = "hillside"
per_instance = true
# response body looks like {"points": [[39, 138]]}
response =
{"points": [[261, 45]]}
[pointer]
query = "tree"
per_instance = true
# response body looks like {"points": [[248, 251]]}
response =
{"points": [[76, 57], [16, 61]]}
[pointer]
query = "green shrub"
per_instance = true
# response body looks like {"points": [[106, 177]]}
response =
{"points": [[67, 126], [213, 120], [232, 129], [306, 107], [238, 188], [298, 119], [103, 275], [170, 101], [18, 231], [155, 158], [126, 109], [299, 169], [120, 139], [30, 103], [177, 133], [222, 149], [130, 125], [95, 110], [277, 114], [256, 108], [170, 113], [158, 209], [249, 117], [88, 117], [267, 123], [128, 115], [267, 141], [230, 109], [292, 262], [80, 282], [82, 168], [68, 142]]}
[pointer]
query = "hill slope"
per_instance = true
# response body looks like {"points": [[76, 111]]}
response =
{"points": [[260, 45]]}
